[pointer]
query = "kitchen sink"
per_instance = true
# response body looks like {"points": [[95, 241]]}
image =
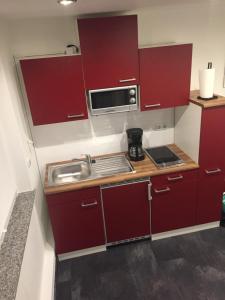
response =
{"points": [[70, 172], [77, 171]]}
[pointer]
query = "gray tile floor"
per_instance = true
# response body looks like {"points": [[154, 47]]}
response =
{"points": [[188, 267]]}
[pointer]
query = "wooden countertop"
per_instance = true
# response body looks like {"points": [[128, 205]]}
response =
{"points": [[142, 169], [220, 101]]}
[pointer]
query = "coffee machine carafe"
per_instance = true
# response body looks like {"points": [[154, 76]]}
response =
{"points": [[135, 150]]}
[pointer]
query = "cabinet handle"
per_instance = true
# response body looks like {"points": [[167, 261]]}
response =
{"points": [[152, 105], [89, 204], [208, 172], [162, 191], [175, 178], [127, 80], [75, 116], [149, 192]]}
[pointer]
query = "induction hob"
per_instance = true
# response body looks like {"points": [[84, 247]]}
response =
{"points": [[163, 156]]}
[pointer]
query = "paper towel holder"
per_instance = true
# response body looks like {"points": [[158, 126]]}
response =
{"points": [[206, 80], [206, 99]]}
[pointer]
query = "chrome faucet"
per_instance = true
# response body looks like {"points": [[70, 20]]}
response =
{"points": [[87, 158]]}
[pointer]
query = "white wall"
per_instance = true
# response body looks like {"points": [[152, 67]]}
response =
{"points": [[13, 171], [19, 172], [8, 189], [198, 23], [9, 116]]}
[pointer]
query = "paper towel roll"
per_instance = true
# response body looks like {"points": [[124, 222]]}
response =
{"points": [[206, 82]]}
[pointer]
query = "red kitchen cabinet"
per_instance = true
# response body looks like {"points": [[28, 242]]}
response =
{"points": [[212, 165], [210, 194], [165, 74], [109, 47], [77, 219], [173, 201], [126, 211], [55, 89]]}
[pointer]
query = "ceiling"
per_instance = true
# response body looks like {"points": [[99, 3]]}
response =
{"points": [[41, 8]]}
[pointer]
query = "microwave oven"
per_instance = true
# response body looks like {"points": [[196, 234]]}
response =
{"points": [[113, 100]]}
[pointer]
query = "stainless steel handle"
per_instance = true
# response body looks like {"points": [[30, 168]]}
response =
{"points": [[149, 192], [110, 110], [127, 80], [175, 178], [162, 191], [75, 116], [89, 204], [152, 105], [208, 172]]}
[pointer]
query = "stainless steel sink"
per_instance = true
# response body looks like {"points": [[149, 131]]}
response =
{"points": [[82, 170], [71, 172]]}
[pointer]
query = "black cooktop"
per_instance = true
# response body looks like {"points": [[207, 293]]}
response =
{"points": [[163, 157]]}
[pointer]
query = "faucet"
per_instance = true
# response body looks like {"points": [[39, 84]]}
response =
{"points": [[87, 159]]}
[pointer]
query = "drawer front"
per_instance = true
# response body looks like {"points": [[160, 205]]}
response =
{"points": [[174, 178]]}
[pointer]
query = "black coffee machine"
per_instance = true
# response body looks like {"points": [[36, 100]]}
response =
{"points": [[135, 151]]}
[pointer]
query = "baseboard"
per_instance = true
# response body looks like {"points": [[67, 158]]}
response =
{"points": [[48, 273], [78, 253], [186, 230]]}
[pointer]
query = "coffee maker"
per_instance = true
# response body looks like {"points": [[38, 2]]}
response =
{"points": [[135, 151]]}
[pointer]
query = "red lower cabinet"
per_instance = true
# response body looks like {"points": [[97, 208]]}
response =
{"points": [[212, 163], [77, 219], [210, 194], [173, 201], [126, 211]]}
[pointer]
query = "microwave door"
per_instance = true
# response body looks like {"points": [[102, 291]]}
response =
{"points": [[111, 100]]}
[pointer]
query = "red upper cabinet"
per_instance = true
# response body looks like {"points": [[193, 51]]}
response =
{"points": [[165, 74], [55, 89], [109, 47], [212, 139]]}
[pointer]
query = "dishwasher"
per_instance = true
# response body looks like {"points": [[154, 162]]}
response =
{"points": [[126, 207]]}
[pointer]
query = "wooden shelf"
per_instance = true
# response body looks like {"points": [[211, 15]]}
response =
{"points": [[220, 101]]}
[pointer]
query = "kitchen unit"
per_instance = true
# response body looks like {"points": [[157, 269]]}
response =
{"points": [[132, 208], [128, 206]]}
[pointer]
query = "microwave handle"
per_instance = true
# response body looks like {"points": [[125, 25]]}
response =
{"points": [[127, 80]]}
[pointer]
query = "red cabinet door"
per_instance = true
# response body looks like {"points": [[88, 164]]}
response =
{"points": [[165, 74], [212, 165], [77, 220], [212, 139], [55, 89], [109, 47], [173, 201], [209, 200], [126, 211]]}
